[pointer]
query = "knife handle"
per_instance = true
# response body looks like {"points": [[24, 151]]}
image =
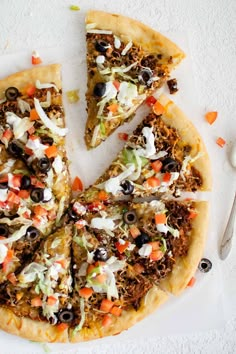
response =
{"points": [[226, 242]]}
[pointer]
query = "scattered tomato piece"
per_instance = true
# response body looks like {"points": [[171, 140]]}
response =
{"points": [[220, 141], [23, 194], [158, 109], [51, 151], [106, 305], [85, 292], [62, 327], [62, 262], [106, 321], [31, 130], [155, 245], [116, 311], [51, 300], [34, 115], [191, 282], [77, 184], [211, 117], [12, 278], [116, 83], [156, 165], [123, 136], [4, 179], [13, 198], [30, 90], [102, 195], [153, 182], [101, 278], [36, 58], [156, 255], [122, 247], [135, 232], [192, 214], [138, 268], [40, 211], [160, 219], [7, 134], [36, 301], [113, 107], [166, 178], [7, 260], [150, 101], [16, 181]]}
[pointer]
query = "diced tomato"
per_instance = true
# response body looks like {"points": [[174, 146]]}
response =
{"points": [[166, 178], [90, 268], [156, 255], [113, 107], [7, 260], [36, 59], [35, 182], [96, 205], [28, 151], [62, 262], [211, 117], [155, 245], [106, 321], [7, 134], [160, 219], [192, 214], [34, 115], [30, 90], [4, 179], [31, 130], [23, 194], [36, 301], [51, 300], [156, 165], [51, 151], [138, 268], [153, 182], [116, 83], [62, 327], [99, 263], [116, 311], [80, 224], [102, 195], [101, 278], [13, 198], [221, 142], [16, 181], [158, 109], [191, 282], [106, 305], [26, 215], [123, 136], [85, 292], [12, 278], [135, 232], [40, 211], [51, 214], [150, 101], [77, 184], [122, 247], [36, 221]]}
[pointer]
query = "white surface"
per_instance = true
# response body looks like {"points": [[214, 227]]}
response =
{"points": [[27, 25]]}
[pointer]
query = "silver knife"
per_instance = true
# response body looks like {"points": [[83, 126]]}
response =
{"points": [[226, 242]]}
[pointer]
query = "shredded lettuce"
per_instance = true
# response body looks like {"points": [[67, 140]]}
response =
{"points": [[74, 8]]}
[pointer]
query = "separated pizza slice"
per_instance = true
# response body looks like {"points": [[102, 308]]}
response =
{"points": [[126, 255], [34, 178], [35, 304], [164, 155], [126, 62]]}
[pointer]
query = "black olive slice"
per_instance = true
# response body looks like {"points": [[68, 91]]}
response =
{"points": [[169, 165], [100, 254], [3, 185], [205, 265], [44, 164], [37, 195], [145, 76], [99, 89], [101, 46], [65, 316], [130, 217], [47, 140], [11, 93], [72, 214], [14, 148], [127, 187], [25, 182], [32, 233], [4, 230], [142, 239]]}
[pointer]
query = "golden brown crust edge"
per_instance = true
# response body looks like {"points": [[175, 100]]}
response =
{"points": [[154, 298], [49, 73], [30, 329], [174, 117], [185, 267], [129, 29]]}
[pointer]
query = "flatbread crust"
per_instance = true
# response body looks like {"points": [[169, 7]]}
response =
{"points": [[153, 299], [129, 29], [29, 329], [49, 73], [185, 267], [175, 118]]}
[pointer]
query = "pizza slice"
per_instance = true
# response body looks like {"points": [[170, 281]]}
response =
{"points": [[35, 303], [164, 155], [127, 257], [34, 178], [126, 62]]}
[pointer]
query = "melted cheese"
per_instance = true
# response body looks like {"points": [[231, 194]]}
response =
{"points": [[127, 93]]}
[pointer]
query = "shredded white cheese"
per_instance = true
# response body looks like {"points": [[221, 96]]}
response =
{"points": [[127, 48], [45, 85], [96, 31]]}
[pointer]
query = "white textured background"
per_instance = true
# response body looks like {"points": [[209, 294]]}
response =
{"points": [[211, 29]]}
